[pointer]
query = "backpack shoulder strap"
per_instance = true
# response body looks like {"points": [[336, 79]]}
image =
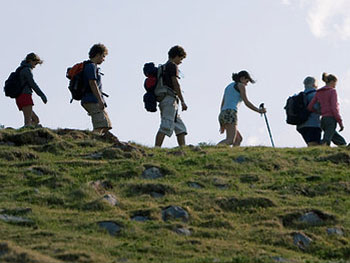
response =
{"points": [[310, 91]]}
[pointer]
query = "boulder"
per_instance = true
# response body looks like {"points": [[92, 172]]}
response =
{"points": [[152, 173], [301, 240], [174, 212], [112, 227]]}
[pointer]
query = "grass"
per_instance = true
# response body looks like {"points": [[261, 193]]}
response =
{"points": [[245, 209]]}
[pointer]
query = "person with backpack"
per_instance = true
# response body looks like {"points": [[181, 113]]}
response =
{"points": [[24, 101], [234, 94], [168, 94], [328, 100], [310, 130], [92, 100]]}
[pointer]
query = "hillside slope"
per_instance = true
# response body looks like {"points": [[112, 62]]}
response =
{"points": [[68, 196]]}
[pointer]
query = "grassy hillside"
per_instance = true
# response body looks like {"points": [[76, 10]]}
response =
{"points": [[60, 189]]}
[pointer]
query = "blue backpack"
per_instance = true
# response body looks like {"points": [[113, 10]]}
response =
{"points": [[13, 87]]}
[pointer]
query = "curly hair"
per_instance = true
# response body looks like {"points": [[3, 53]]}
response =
{"points": [[98, 49], [177, 51]]}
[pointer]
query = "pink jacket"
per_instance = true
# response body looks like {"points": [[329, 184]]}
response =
{"points": [[328, 99]]}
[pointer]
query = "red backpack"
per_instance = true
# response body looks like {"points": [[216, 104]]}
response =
{"points": [[76, 86]]}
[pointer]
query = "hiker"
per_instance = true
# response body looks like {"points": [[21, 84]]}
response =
{"points": [[24, 101], [93, 101], [310, 130], [328, 100], [169, 96], [234, 93]]}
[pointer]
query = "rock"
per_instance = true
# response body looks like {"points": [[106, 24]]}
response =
{"points": [[140, 218], [195, 185], [141, 215], [95, 156], [16, 220], [174, 212], [152, 173], [111, 199], [305, 218], [176, 153], [16, 211], [182, 231], [240, 159], [280, 259], [249, 178], [335, 231], [112, 227], [101, 186], [219, 183], [301, 240], [310, 218], [4, 249], [157, 195], [196, 148], [154, 190]]}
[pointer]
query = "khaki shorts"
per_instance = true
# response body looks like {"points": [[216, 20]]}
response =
{"points": [[170, 120], [99, 117]]}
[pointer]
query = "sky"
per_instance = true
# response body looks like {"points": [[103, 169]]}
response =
{"points": [[279, 42]]}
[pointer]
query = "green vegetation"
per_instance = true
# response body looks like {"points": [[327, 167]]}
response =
{"points": [[244, 204]]}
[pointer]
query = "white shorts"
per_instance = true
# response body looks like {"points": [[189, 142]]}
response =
{"points": [[170, 119]]}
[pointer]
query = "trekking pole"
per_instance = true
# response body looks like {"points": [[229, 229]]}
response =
{"points": [[267, 124]]}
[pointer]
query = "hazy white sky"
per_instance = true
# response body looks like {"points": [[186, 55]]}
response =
{"points": [[279, 41]]}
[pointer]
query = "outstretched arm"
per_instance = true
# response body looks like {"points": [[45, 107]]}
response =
{"points": [[244, 97]]}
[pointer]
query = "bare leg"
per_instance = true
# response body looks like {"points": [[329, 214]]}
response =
{"points": [[159, 139], [27, 113], [313, 144], [231, 132], [181, 139], [238, 139], [35, 118]]}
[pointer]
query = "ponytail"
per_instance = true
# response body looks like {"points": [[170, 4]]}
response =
{"points": [[236, 77], [327, 78]]}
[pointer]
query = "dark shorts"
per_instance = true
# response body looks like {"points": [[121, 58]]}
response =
{"points": [[311, 134], [24, 100], [228, 116]]}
